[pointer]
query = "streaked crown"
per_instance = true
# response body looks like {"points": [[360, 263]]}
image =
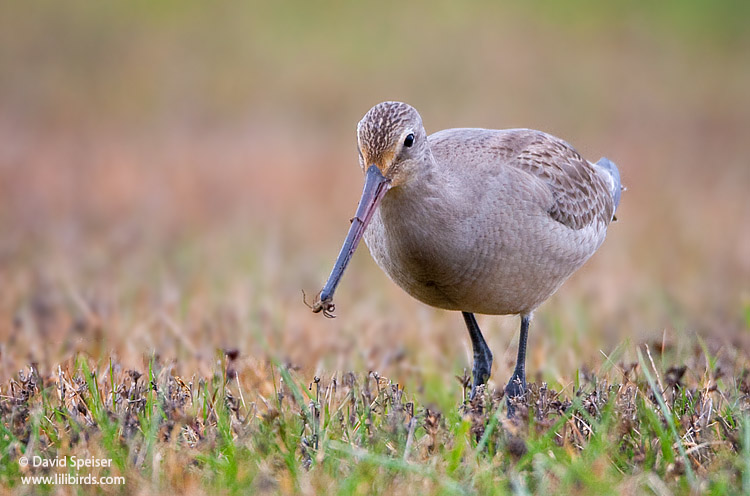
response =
{"points": [[382, 130]]}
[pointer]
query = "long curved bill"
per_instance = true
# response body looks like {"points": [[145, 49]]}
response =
{"points": [[376, 186]]}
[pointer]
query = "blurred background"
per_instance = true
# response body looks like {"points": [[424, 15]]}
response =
{"points": [[174, 174]]}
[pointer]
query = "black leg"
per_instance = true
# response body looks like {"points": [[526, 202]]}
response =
{"points": [[517, 384], [482, 353]]}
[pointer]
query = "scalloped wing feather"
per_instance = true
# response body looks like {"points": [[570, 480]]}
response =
{"points": [[581, 196]]}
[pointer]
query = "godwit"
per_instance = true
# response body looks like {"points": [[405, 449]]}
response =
{"points": [[475, 220]]}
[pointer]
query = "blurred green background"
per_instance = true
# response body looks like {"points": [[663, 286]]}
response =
{"points": [[173, 173]]}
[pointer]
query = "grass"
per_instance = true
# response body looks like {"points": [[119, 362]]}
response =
{"points": [[172, 175], [620, 431]]}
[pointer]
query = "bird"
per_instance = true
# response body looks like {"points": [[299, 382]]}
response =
{"points": [[480, 221]]}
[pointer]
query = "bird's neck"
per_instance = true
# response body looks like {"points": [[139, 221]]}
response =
{"points": [[413, 195]]}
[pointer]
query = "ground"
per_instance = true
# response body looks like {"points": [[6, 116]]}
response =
{"points": [[172, 179]]}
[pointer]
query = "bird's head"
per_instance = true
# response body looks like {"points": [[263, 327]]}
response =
{"points": [[391, 137]]}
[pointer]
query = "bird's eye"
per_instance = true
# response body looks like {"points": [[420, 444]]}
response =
{"points": [[409, 140]]}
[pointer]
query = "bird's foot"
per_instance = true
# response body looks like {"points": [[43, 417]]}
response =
{"points": [[478, 387], [514, 392], [480, 373], [475, 389], [477, 392]]}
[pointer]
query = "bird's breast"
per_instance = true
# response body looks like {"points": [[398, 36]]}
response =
{"points": [[419, 248], [488, 250]]}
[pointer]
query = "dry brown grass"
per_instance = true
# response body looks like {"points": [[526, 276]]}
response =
{"points": [[165, 195]]}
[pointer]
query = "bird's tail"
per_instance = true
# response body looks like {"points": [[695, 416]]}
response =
{"points": [[611, 170]]}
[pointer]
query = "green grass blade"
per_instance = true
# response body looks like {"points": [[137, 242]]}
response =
{"points": [[670, 421]]}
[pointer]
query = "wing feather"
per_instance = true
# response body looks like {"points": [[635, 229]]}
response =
{"points": [[580, 194]]}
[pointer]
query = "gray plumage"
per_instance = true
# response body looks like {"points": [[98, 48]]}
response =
{"points": [[476, 220], [486, 221]]}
